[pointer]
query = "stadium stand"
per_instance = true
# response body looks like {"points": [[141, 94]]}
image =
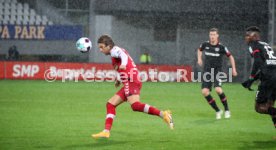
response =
{"points": [[15, 13]]}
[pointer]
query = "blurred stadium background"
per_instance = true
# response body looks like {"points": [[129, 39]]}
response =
{"points": [[170, 31], [42, 115]]}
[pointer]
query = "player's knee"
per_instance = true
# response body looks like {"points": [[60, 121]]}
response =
{"points": [[109, 105], [262, 109], [136, 106], [259, 110], [218, 90], [205, 92], [270, 103]]}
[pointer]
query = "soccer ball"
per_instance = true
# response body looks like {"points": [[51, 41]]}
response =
{"points": [[84, 44]]}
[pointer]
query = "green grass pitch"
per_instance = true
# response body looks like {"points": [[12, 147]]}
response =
{"points": [[41, 115]]}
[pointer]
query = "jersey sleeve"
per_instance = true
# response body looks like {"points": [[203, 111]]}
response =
{"points": [[225, 51], [253, 50], [119, 53], [201, 47]]}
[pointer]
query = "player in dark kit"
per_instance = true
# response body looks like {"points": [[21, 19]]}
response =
{"points": [[214, 52], [264, 68]]}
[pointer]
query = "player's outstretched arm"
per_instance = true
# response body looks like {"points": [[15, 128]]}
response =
{"points": [[248, 83], [233, 64], [255, 72]]}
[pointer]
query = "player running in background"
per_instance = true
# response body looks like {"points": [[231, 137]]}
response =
{"points": [[264, 68], [214, 52], [130, 92]]}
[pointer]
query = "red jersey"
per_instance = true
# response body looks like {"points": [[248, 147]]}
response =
{"points": [[120, 56]]}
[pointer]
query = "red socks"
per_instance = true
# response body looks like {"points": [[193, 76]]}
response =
{"points": [[141, 107], [110, 115], [137, 106]]}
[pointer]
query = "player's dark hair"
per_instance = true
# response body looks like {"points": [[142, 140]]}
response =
{"points": [[214, 30], [253, 32], [253, 29], [107, 40]]}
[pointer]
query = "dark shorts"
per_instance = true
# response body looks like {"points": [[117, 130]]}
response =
{"points": [[266, 91], [207, 83]]}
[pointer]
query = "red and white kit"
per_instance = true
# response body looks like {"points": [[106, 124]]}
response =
{"points": [[130, 76], [132, 86]]}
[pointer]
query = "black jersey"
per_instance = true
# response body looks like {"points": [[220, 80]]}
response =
{"points": [[213, 54], [264, 58]]}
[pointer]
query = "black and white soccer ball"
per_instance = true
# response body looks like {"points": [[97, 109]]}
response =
{"points": [[84, 45]]}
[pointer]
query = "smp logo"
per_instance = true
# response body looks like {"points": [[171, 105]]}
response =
{"points": [[20, 70]]}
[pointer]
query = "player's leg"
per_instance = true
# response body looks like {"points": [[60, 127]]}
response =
{"points": [[223, 100], [272, 99], [219, 91], [265, 98], [136, 105], [132, 92], [261, 105], [261, 108], [267, 108], [222, 97], [206, 93], [206, 87], [111, 105], [271, 104]]}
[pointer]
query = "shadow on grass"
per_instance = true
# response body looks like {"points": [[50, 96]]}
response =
{"points": [[99, 143], [107, 143], [205, 121], [44, 147], [271, 144]]}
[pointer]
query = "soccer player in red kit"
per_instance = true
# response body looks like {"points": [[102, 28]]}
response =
{"points": [[130, 92]]}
